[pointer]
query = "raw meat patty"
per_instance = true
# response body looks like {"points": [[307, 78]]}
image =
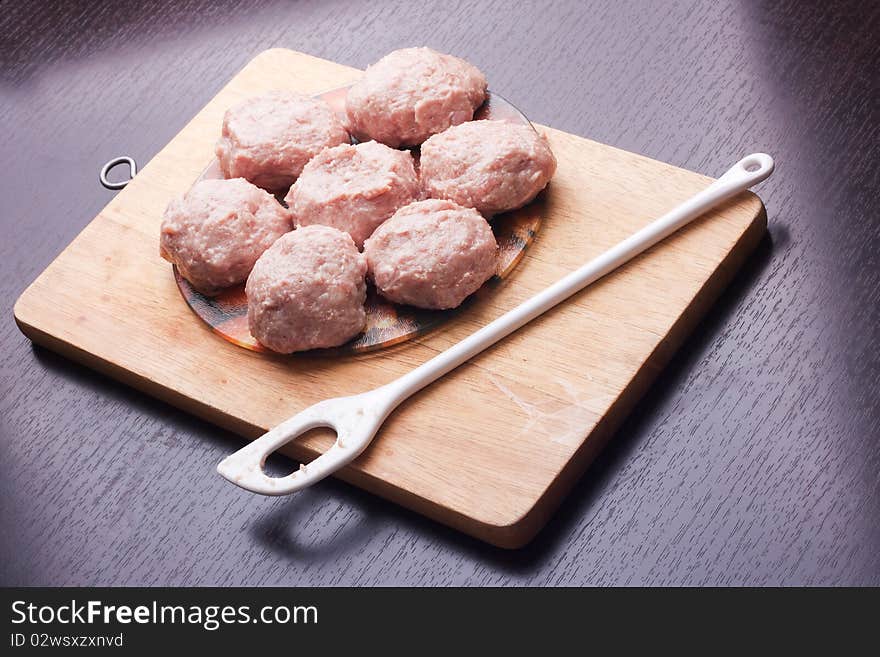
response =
{"points": [[411, 94], [431, 254], [493, 166], [307, 291], [268, 139], [353, 188], [218, 229]]}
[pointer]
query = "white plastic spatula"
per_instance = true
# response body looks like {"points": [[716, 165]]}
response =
{"points": [[356, 419]]}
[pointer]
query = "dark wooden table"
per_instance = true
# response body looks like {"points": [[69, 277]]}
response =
{"points": [[755, 459]]}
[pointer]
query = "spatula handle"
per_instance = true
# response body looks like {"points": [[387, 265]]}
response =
{"points": [[749, 171]]}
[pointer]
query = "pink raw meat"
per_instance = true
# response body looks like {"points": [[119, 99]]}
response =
{"points": [[493, 166], [307, 291], [431, 254], [268, 139], [353, 188], [218, 229], [411, 94]]}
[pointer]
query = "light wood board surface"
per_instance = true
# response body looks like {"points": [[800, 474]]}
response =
{"points": [[492, 447]]}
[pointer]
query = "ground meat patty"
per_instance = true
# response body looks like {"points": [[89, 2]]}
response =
{"points": [[493, 166], [268, 139], [411, 94], [353, 188], [431, 254], [218, 229], [307, 291]]}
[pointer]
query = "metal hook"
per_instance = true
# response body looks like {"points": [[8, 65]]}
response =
{"points": [[105, 170]]}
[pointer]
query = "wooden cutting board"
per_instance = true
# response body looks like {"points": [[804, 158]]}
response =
{"points": [[492, 447]]}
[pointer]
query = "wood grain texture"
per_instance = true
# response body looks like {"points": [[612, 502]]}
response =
{"points": [[752, 460], [492, 447]]}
